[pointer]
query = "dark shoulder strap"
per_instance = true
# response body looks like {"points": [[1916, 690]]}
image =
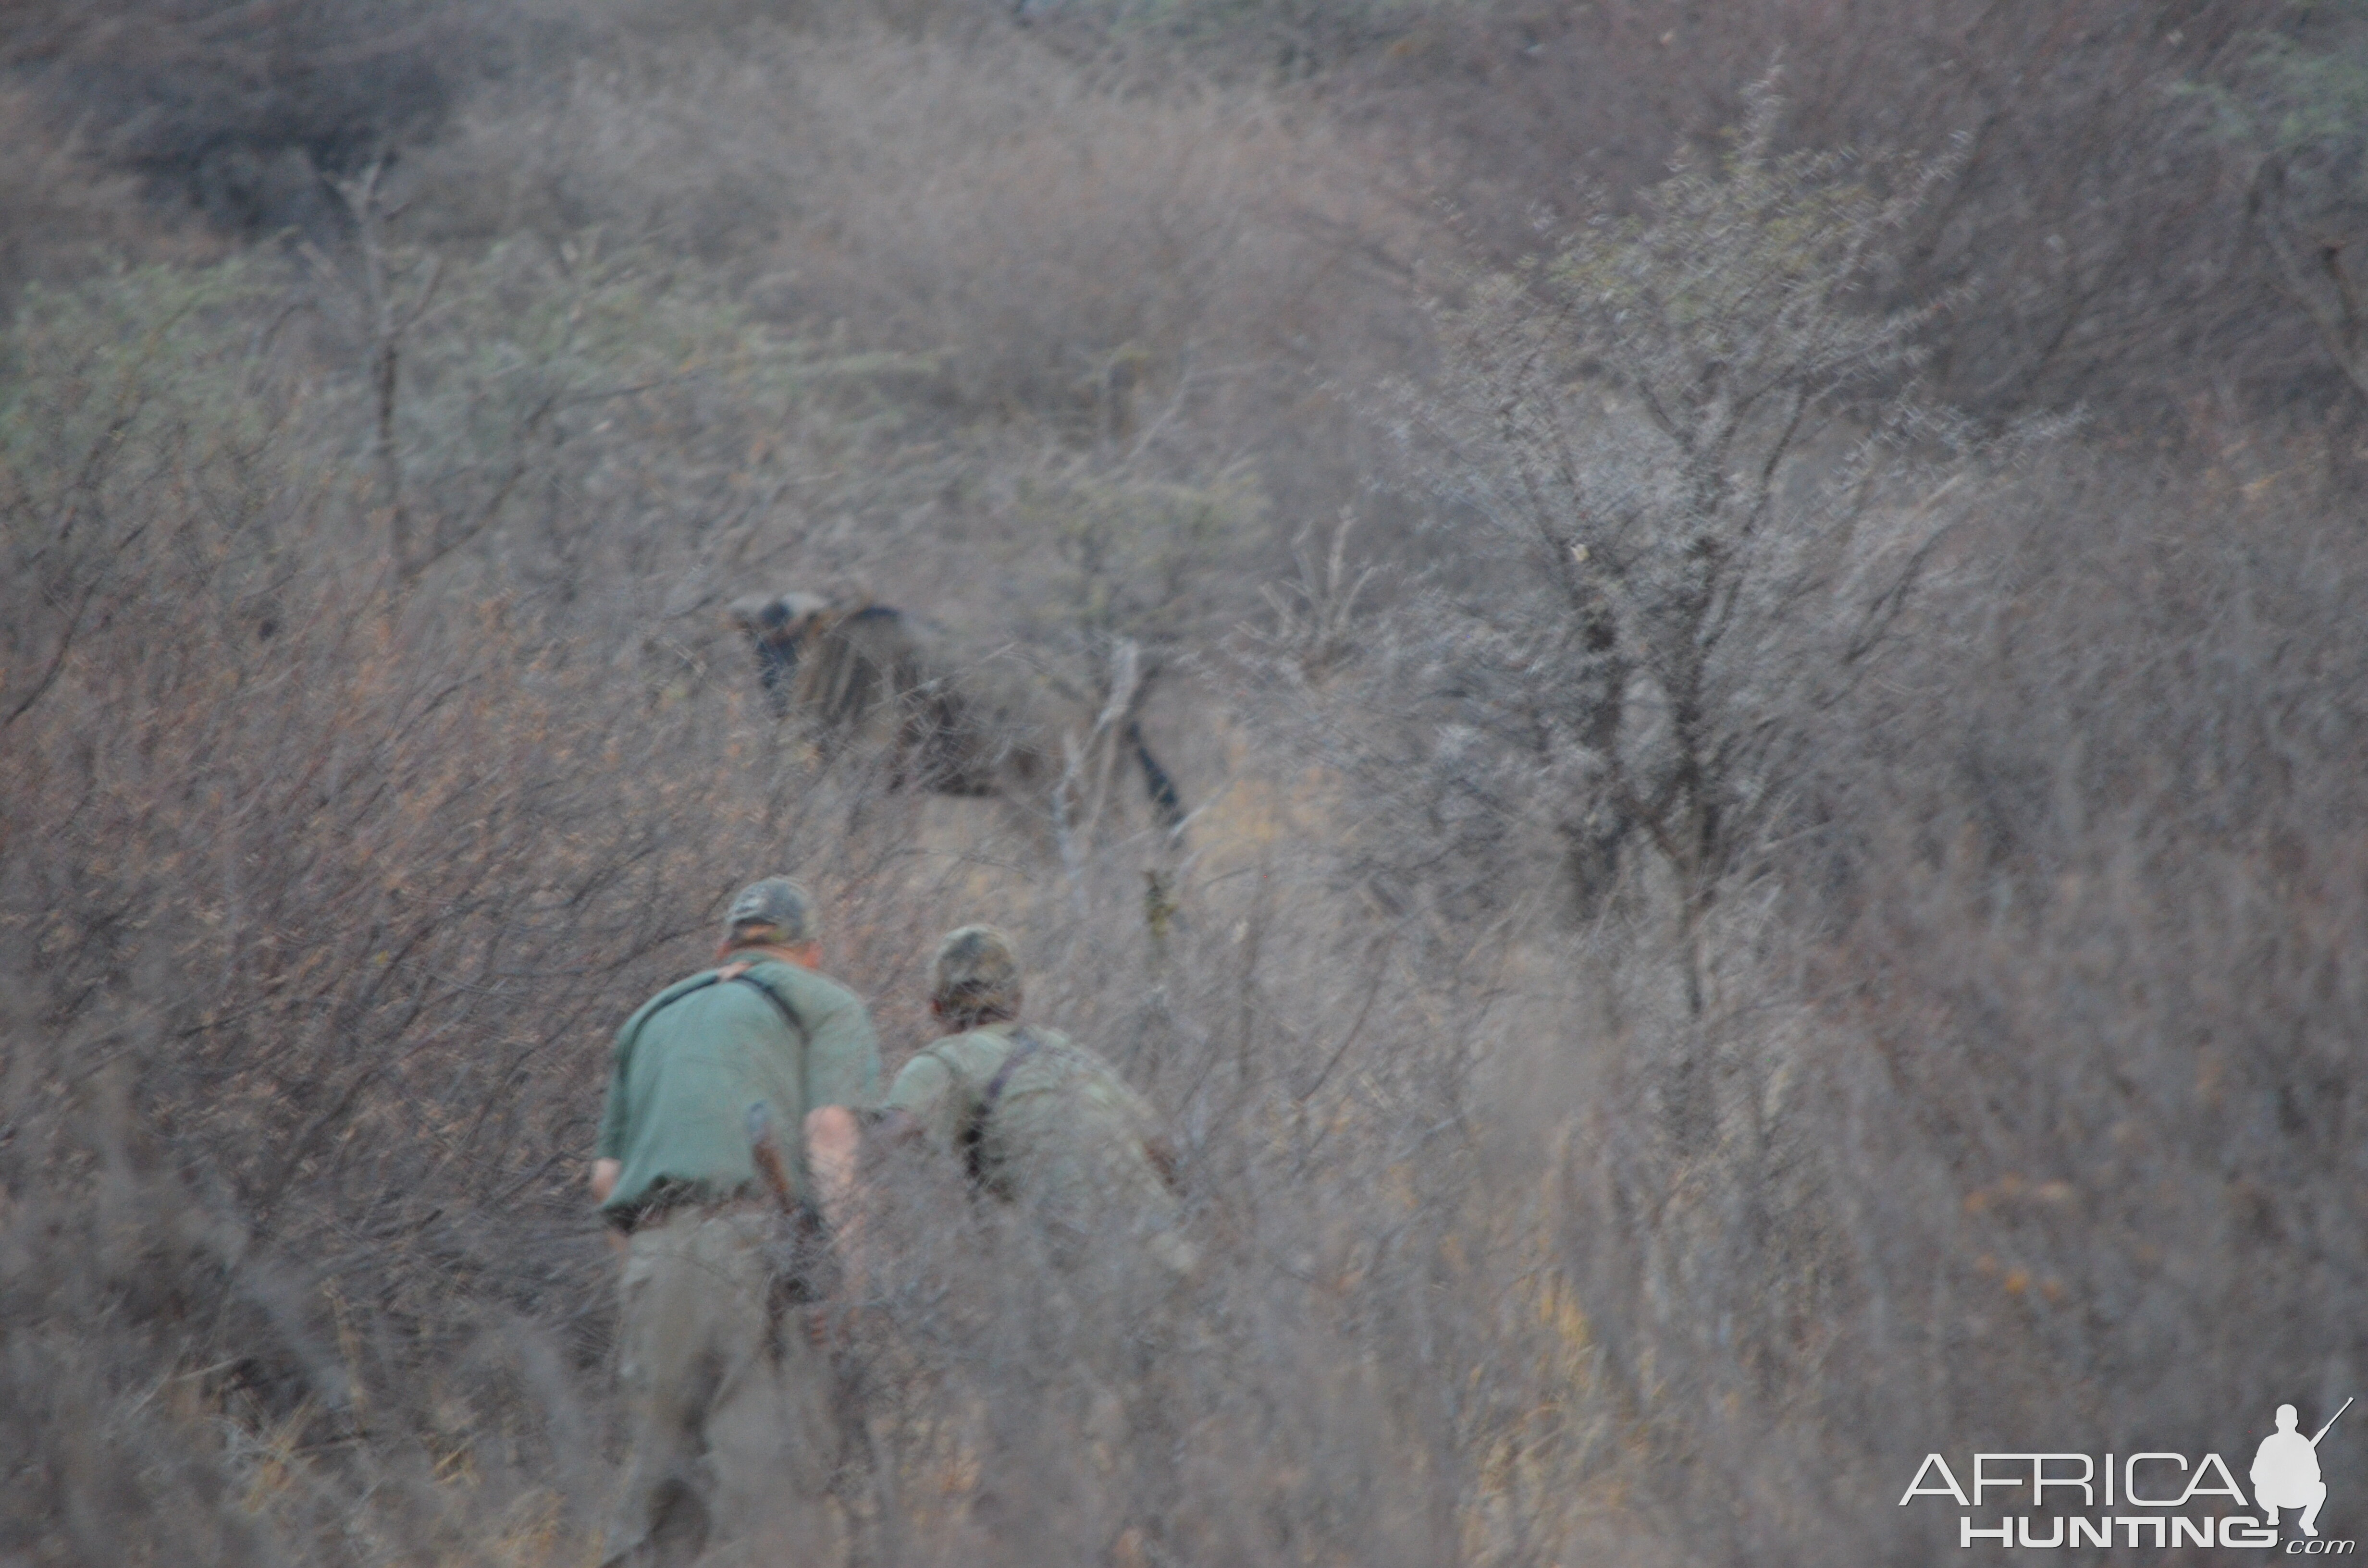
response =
{"points": [[701, 983], [781, 1005], [798, 1028], [1025, 1044]]}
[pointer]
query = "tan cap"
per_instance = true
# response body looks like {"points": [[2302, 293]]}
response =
{"points": [[976, 970]]}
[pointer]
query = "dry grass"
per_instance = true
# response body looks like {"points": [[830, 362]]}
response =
{"points": [[2019, 1096], [323, 886]]}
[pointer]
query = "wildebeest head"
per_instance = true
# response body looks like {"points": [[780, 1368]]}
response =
{"points": [[777, 626]]}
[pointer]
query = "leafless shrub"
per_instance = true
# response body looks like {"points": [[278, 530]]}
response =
{"points": [[2091, 232], [342, 876], [1314, 611], [1163, 269], [2016, 1098], [65, 213], [2037, 1143], [305, 814], [2288, 103], [1670, 545], [243, 113]]}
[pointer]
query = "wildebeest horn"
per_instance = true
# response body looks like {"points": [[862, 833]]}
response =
{"points": [[748, 612], [771, 612]]}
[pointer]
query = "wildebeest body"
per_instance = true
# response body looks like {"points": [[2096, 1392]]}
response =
{"points": [[853, 672]]}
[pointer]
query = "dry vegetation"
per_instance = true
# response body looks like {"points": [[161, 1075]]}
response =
{"points": [[1778, 748]]}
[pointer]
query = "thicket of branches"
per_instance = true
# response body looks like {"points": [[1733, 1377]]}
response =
{"points": [[1688, 488], [1761, 900]]}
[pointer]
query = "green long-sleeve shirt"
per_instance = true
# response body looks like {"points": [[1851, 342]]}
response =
{"points": [[692, 1059]]}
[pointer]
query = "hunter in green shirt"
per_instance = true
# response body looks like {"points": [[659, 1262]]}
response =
{"points": [[729, 1434], [692, 1060]]}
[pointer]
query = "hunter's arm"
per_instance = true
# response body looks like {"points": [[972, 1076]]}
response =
{"points": [[833, 1139]]}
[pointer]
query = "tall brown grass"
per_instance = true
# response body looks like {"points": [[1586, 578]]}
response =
{"points": [[2018, 1106]]}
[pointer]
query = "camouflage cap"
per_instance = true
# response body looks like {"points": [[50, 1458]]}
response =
{"points": [[777, 908], [976, 970]]}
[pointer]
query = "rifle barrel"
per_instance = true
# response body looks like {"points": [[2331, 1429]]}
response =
{"points": [[2332, 1421]]}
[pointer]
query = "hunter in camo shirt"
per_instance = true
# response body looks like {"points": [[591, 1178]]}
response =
{"points": [[1037, 1119]]}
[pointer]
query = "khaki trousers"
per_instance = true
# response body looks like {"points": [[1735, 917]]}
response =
{"points": [[733, 1444]]}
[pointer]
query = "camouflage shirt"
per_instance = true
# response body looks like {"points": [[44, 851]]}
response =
{"points": [[692, 1059], [1067, 1138]]}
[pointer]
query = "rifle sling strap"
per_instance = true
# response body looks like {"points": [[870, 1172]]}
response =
{"points": [[975, 1134], [780, 1003]]}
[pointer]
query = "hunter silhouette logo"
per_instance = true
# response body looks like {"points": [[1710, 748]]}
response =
{"points": [[2149, 1499], [2286, 1470]]}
